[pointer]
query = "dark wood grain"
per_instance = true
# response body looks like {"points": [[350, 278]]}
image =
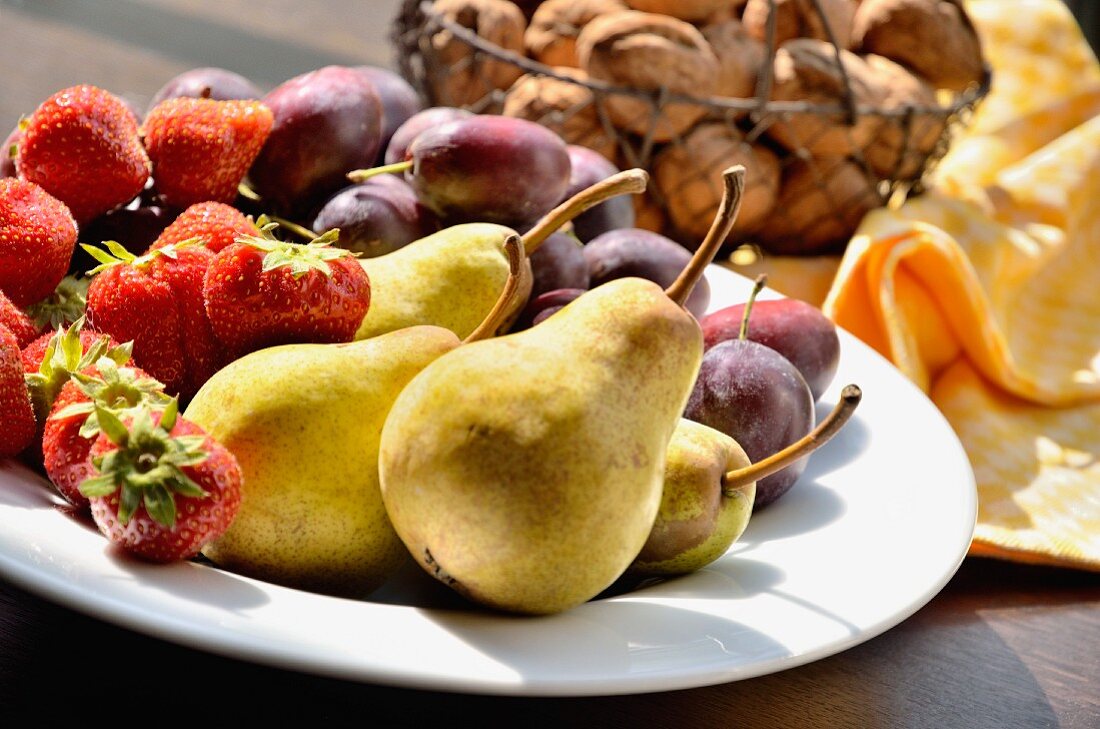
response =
{"points": [[1002, 646]]}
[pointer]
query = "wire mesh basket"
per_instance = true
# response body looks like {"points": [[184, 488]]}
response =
{"points": [[825, 133]]}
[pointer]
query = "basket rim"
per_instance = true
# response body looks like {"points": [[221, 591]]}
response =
{"points": [[721, 104]]}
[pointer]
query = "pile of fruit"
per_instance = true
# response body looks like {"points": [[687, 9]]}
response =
{"points": [[229, 328], [831, 105]]}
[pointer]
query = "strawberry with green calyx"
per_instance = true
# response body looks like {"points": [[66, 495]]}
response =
{"points": [[262, 291], [65, 352], [73, 422], [156, 301], [164, 487], [17, 320], [215, 224], [82, 146], [37, 239], [201, 149], [61, 308], [16, 414]]}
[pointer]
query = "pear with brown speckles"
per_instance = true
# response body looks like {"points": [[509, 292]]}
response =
{"points": [[525, 471]]}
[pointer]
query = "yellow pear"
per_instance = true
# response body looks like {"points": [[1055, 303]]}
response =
{"points": [[304, 422], [525, 471], [453, 277]]}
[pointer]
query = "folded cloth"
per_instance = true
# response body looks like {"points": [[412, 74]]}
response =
{"points": [[985, 290]]}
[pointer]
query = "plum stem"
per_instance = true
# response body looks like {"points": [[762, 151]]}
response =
{"points": [[513, 246], [734, 179], [632, 181], [366, 174], [756, 288], [819, 436], [293, 227]]}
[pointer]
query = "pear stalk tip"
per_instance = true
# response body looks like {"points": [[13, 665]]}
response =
{"points": [[734, 188], [850, 397], [628, 182]]}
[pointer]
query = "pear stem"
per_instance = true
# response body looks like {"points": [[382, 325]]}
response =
{"points": [[513, 246], [819, 436], [734, 179], [760, 281], [366, 174], [630, 181]]}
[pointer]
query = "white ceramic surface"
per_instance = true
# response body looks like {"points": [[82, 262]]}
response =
{"points": [[876, 526]]}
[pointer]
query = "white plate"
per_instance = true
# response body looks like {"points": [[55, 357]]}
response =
{"points": [[879, 522]]}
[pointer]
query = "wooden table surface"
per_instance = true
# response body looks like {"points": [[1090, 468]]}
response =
{"points": [[1003, 645]]}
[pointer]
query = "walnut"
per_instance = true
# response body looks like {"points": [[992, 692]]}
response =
{"points": [[740, 57], [466, 77], [689, 175], [806, 70], [902, 145], [648, 52], [932, 38], [821, 203], [648, 213], [690, 10], [567, 108], [552, 35], [800, 19]]}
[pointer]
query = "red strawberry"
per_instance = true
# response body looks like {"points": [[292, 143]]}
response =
{"points": [[82, 146], [50, 360], [37, 238], [215, 224], [73, 423], [165, 488], [16, 414], [17, 321], [201, 149], [261, 292], [156, 301]]}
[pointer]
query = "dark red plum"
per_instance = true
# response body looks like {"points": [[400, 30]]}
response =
{"points": [[797, 330], [540, 307], [757, 397], [399, 101], [404, 135], [489, 168], [7, 160], [328, 122], [645, 254], [134, 227], [376, 217], [208, 82], [558, 263], [587, 167]]}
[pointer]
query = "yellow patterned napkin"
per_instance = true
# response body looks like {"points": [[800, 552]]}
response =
{"points": [[985, 291]]}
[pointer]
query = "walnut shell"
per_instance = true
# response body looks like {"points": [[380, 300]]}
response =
{"points": [[551, 36], [821, 203], [689, 10], [648, 52], [932, 38], [567, 108], [800, 19], [465, 77], [740, 58], [648, 213], [689, 175], [903, 144], [806, 70]]}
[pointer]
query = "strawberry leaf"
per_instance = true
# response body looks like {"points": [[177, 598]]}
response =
{"points": [[160, 505], [111, 426], [98, 486]]}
